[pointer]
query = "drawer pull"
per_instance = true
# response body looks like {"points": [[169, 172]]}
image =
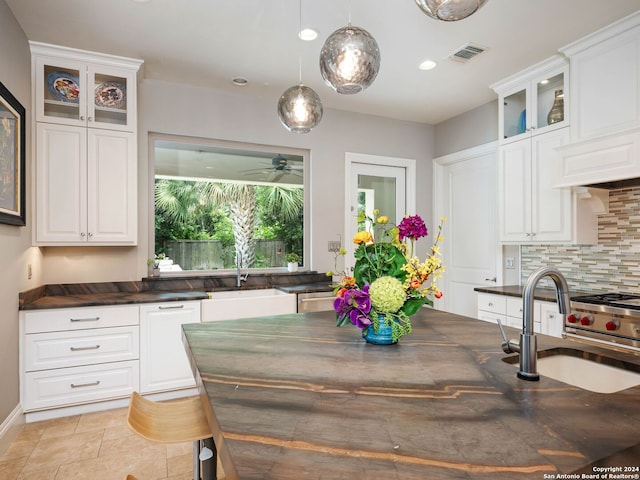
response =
{"points": [[169, 308], [80, 385], [77, 349], [88, 319]]}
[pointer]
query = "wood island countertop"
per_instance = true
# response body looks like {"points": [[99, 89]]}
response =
{"points": [[294, 397]]}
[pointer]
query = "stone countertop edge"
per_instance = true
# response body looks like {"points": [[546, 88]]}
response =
{"points": [[541, 293]]}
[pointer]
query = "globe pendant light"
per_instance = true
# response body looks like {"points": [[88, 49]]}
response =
{"points": [[450, 10], [300, 107], [349, 60]]}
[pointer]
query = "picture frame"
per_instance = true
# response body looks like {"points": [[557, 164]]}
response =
{"points": [[12, 160]]}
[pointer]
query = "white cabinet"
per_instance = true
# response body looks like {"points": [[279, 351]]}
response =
{"points": [[531, 210], [78, 355], [605, 111], [86, 146], [164, 364], [509, 310], [85, 186], [85, 89], [526, 100], [605, 79]]}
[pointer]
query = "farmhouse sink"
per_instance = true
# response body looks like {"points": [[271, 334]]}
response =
{"points": [[585, 370], [234, 304]]}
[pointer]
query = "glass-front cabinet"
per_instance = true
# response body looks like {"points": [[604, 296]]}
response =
{"points": [[85, 94], [533, 101]]}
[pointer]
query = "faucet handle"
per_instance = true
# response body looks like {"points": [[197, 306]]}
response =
{"points": [[507, 345]]}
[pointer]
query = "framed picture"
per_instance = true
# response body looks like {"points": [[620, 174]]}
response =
{"points": [[12, 159]]}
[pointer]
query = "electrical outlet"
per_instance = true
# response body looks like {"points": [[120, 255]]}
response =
{"points": [[510, 262], [334, 246]]}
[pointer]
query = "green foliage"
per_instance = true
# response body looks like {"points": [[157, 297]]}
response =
{"points": [[377, 260]]}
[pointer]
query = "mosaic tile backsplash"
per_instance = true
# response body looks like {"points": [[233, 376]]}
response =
{"points": [[612, 265]]}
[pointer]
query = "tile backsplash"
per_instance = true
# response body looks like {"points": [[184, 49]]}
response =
{"points": [[611, 265]]}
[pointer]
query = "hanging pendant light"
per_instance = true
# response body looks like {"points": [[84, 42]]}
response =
{"points": [[300, 107], [450, 10], [349, 60]]}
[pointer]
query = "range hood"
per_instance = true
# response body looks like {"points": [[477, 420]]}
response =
{"points": [[608, 162]]}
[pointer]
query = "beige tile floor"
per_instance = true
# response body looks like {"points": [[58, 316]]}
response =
{"points": [[96, 446]]}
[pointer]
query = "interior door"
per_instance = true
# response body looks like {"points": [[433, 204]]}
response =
{"points": [[376, 183], [466, 194]]}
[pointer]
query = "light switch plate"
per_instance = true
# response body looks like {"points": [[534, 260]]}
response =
{"points": [[334, 246]]}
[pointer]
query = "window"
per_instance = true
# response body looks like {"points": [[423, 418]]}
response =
{"points": [[220, 204]]}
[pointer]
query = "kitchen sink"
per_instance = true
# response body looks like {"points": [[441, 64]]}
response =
{"points": [[234, 304], [589, 371]]}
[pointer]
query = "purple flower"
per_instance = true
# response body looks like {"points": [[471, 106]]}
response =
{"points": [[354, 304], [412, 227]]}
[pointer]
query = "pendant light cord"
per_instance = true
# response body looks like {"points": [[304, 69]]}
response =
{"points": [[300, 40]]}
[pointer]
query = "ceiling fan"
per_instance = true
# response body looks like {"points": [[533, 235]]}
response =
{"points": [[279, 167]]}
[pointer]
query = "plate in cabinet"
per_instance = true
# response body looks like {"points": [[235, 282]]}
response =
{"points": [[63, 86], [110, 95]]}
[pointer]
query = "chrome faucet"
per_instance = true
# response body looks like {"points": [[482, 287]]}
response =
{"points": [[527, 347], [239, 277]]}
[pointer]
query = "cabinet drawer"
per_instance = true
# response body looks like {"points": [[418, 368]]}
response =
{"points": [[56, 320], [66, 386], [492, 303], [83, 347], [514, 307]]}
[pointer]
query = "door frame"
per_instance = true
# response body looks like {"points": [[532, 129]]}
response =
{"points": [[439, 179], [410, 166]]}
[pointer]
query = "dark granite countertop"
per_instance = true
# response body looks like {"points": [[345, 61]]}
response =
{"points": [[163, 289], [540, 293], [293, 396]]}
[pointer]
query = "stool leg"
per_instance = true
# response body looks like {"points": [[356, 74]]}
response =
{"points": [[196, 460], [210, 466]]}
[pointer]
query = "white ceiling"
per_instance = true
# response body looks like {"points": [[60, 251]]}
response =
{"points": [[208, 42]]}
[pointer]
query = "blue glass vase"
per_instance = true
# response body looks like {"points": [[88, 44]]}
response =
{"points": [[384, 335]]}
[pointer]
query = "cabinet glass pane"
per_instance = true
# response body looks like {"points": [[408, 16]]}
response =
{"points": [[110, 99], [515, 114], [61, 92], [550, 94]]}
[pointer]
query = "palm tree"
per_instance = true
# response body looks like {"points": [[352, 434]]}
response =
{"points": [[181, 200]]}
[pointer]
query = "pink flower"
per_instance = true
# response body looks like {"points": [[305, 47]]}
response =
{"points": [[412, 227]]}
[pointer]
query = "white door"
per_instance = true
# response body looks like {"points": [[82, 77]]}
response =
{"points": [[465, 192], [374, 182]]}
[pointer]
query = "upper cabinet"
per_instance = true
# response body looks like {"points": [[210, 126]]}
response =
{"points": [[84, 89], [605, 80], [605, 106], [533, 101], [85, 146]]}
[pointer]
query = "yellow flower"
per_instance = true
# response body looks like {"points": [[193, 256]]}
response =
{"points": [[382, 219], [363, 237]]}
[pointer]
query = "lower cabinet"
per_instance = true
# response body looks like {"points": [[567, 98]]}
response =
{"points": [[509, 310], [71, 358], [163, 359]]}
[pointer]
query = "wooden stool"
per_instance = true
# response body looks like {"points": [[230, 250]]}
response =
{"points": [[173, 422]]}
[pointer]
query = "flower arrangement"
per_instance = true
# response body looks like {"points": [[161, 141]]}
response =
{"points": [[389, 283]]}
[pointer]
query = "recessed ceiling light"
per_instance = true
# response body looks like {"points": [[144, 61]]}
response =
{"points": [[308, 34], [240, 81], [141, 1], [427, 65]]}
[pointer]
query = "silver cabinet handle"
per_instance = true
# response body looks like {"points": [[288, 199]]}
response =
{"points": [[170, 307], [494, 279], [90, 384], [88, 319], [79, 349]]}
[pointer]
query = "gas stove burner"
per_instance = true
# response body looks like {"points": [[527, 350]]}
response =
{"points": [[605, 298]]}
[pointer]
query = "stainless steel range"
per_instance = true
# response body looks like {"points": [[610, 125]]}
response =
{"points": [[610, 318]]}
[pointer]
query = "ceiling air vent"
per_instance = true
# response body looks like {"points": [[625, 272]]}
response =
{"points": [[467, 52]]}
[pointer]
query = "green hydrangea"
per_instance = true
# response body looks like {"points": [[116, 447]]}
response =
{"points": [[387, 294]]}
